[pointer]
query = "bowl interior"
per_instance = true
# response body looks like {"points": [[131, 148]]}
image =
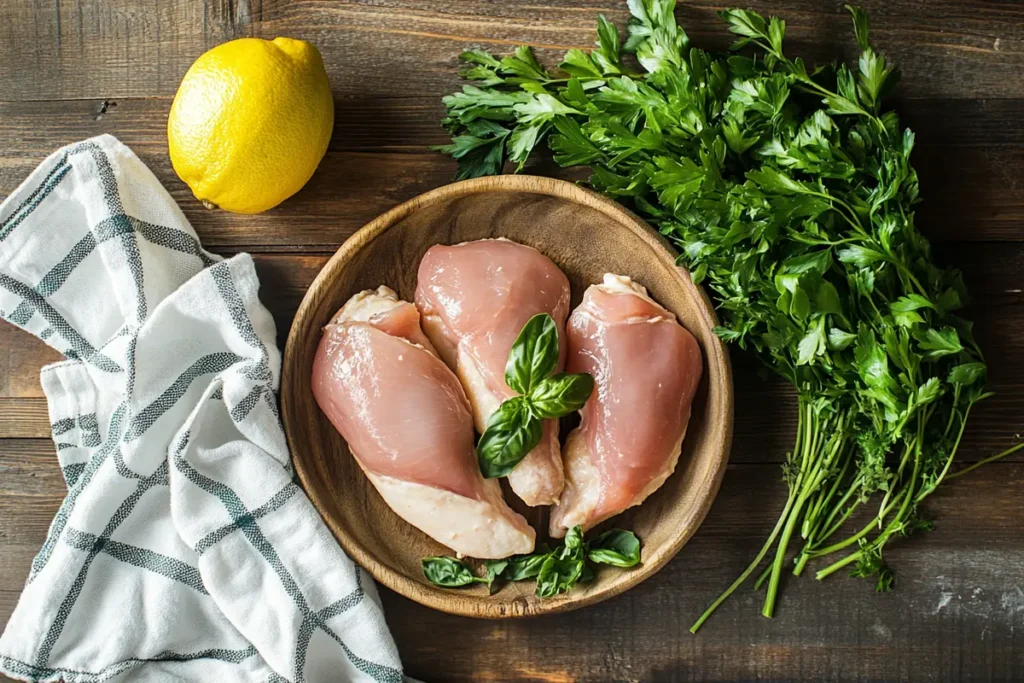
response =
{"points": [[585, 240]]}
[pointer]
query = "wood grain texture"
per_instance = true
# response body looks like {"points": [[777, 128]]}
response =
{"points": [[954, 615], [586, 235], [70, 69], [765, 407], [118, 48], [123, 48], [22, 418], [970, 156]]}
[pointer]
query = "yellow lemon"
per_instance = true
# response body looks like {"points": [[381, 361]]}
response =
{"points": [[250, 122]]}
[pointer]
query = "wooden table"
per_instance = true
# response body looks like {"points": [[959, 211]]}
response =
{"points": [[77, 68]]}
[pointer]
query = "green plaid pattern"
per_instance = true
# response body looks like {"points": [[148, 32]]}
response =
{"points": [[184, 549]]}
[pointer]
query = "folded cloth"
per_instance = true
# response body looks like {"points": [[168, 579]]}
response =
{"points": [[184, 550]]}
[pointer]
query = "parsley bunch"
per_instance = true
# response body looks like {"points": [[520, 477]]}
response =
{"points": [[790, 193]]}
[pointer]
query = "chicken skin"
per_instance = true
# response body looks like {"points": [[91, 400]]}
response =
{"points": [[475, 299], [646, 368], [407, 421]]}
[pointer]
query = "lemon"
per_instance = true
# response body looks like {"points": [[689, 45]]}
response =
{"points": [[250, 122]]}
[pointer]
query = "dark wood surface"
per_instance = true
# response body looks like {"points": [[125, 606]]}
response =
{"points": [[70, 69]]}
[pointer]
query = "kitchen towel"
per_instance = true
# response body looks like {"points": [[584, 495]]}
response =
{"points": [[184, 549]]}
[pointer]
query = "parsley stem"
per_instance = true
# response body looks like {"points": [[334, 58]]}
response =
{"points": [[894, 525], [764, 577], [830, 528], [926, 491], [827, 497], [800, 437], [899, 473], [816, 458], [801, 562], [860, 534], [953, 411], [850, 216], [836, 566], [902, 268], [748, 571], [780, 555], [828, 93], [991, 458]]}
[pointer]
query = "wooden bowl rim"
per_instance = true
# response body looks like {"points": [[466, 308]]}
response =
{"points": [[721, 422]]}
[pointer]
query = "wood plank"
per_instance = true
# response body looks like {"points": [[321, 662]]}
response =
{"points": [[379, 157], [21, 357], [31, 489], [98, 49], [24, 418], [945, 48], [765, 410], [110, 48], [952, 615]]}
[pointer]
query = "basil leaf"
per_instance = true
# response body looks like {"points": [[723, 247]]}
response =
{"points": [[562, 569], [558, 575], [449, 572], [573, 541], [560, 395], [522, 567], [495, 568], [534, 354], [511, 433], [617, 547]]}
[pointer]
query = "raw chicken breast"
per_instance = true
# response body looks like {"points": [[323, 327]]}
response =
{"points": [[646, 367], [475, 298], [407, 422]]}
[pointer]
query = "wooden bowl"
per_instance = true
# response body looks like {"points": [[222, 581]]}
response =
{"points": [[587, 236]]}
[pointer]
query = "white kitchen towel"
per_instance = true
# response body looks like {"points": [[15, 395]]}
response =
{"points": [[184, 550]]}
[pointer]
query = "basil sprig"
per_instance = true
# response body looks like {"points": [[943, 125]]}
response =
{"points": [[560, 571], [515, 427], [556, 570], [449, 572], [616, 547]]}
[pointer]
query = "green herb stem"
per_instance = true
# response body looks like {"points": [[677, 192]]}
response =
{"points": [[748, 571], [833, 568], [985, 461], [780, 555], [802, 418], [847, 542]]}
